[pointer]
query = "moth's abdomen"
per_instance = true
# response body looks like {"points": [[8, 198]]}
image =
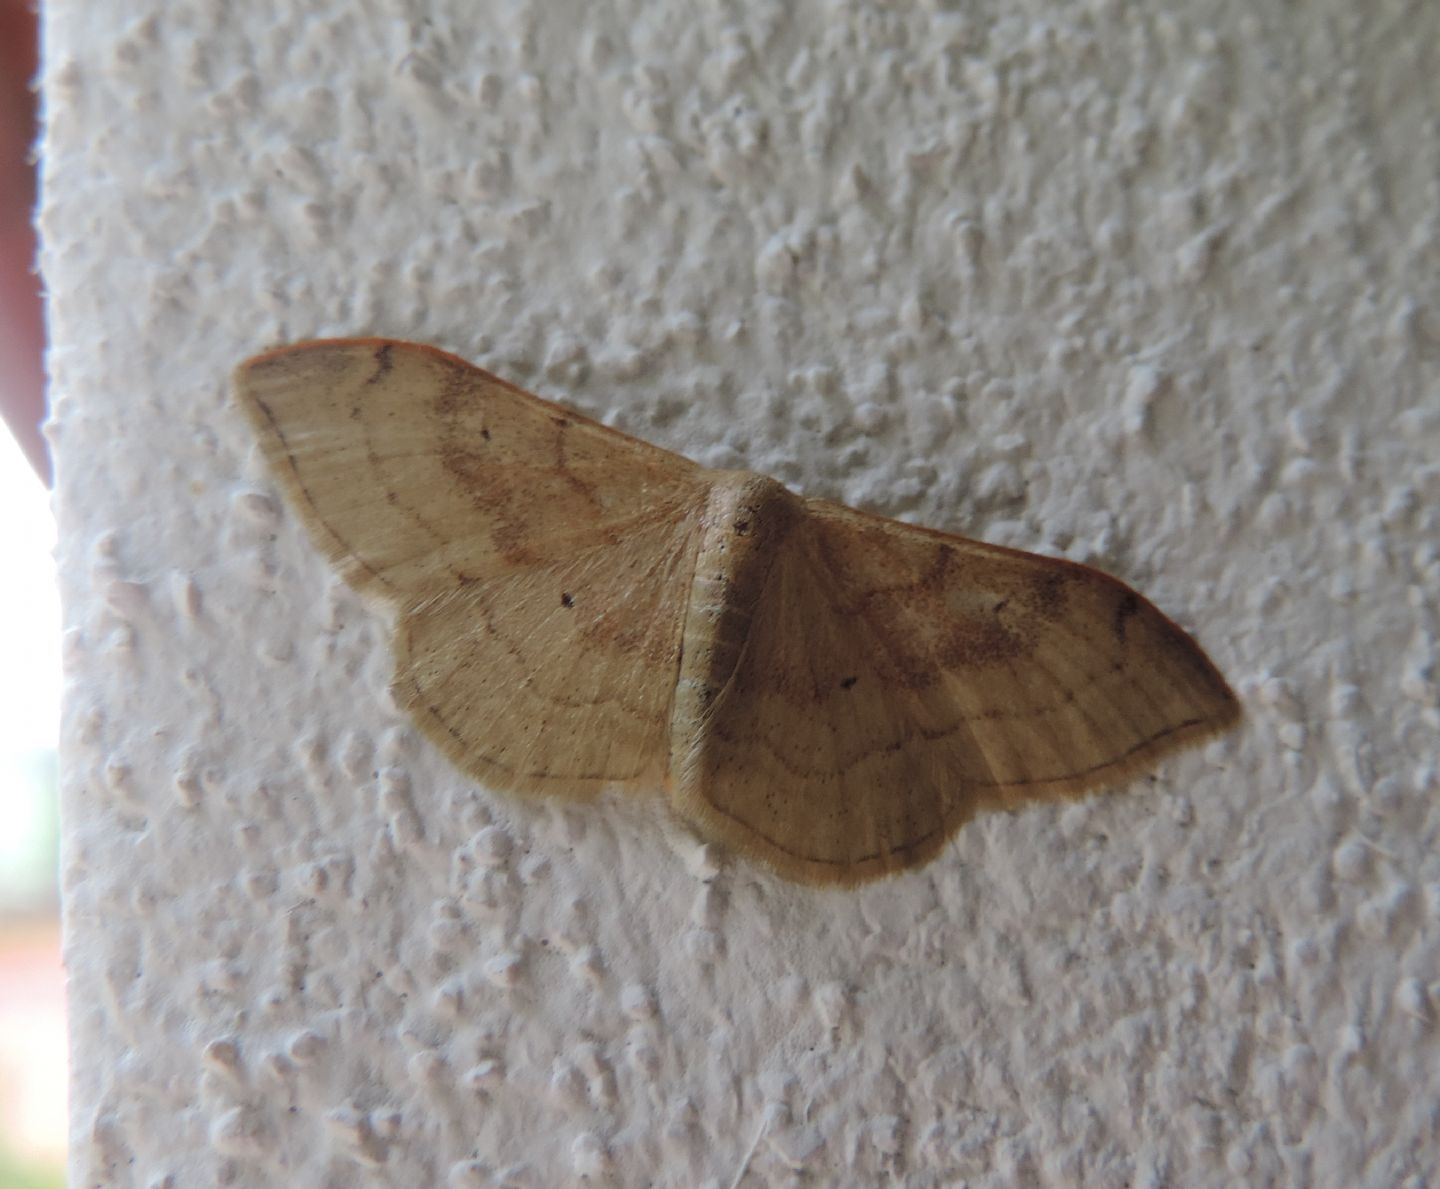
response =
{"points": [[746, 522]]}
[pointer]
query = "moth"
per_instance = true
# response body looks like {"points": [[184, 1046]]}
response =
{"points": [[826, 691]]}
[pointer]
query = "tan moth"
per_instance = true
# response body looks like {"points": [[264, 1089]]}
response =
{"points": [[828, 691]]}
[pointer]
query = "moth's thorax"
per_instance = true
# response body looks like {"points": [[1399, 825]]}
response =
{"points": [[745, 512], [746, 521]]}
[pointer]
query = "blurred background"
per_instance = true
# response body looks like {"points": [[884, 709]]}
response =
{"points": [[32, 987]]}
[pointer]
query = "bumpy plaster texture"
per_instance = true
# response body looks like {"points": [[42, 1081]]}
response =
{"points": [[1151, 286]]}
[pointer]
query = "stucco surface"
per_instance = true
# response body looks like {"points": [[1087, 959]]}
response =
{"points": [[1155, 287]]}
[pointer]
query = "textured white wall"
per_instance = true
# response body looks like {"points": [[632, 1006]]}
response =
{"points": [[1154, 286]]}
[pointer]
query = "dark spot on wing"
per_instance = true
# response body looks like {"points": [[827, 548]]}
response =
{"points": [[848, 682], [458, 388], [383, 364], [1127, 609], [1048, 594], [567, 599], [471, 470]]}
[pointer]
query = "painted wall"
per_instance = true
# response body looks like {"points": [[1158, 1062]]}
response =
{"points": [[1155, 287]]}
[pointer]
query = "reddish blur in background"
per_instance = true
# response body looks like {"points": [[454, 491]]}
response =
{"points": [[22, 320], [32, 986]]}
